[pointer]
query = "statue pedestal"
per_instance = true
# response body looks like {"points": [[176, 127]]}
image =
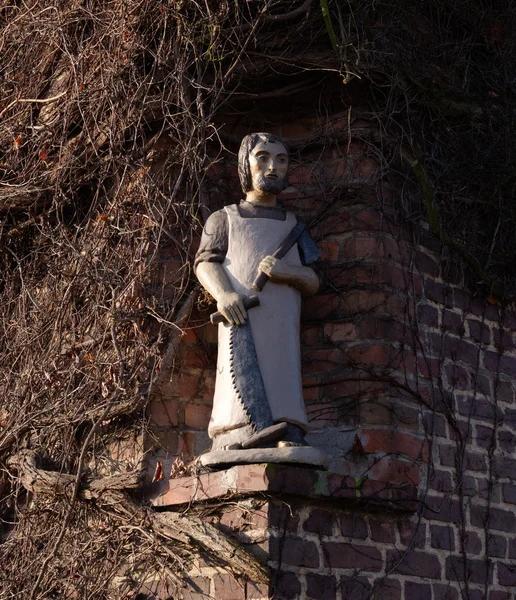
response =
{"points": [[301, 455]]}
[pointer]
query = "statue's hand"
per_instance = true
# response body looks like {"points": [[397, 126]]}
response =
{"points": [[277, 269], [231, 305]]}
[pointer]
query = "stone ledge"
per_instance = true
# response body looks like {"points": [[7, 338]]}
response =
{"points": [[277, 479]]}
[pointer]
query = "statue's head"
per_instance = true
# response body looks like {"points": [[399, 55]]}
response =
{"points": [[263, 163]]}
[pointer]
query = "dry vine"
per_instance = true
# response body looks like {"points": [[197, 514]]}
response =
{"points": [[112, 119]]}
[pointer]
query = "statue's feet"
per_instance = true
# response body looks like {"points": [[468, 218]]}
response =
{"points": [[293, 437], [267, 437]]}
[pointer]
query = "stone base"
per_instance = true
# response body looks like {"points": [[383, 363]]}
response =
{"points": [[302, 455]]}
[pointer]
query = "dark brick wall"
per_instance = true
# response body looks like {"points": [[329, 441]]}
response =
{"points": [[409, 379]]}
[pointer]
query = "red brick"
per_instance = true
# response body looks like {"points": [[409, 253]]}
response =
{"points": [[294, 551], [285, 585], [355, 588], [368, 220], [499, 595], [340, 332], [443, 537], [496, 546], [352, 556], [362, 247], [479, 332], [189, 335], [445, 592], [378, 440], [439, 508], [197, 416], [228, 588], [334, 224], [320, 587], [354, 526], [338, 386], [473, 570], [382, 530], [187, 385], [201, 585], [393, 471], [310, 335], [168, 441], [284, 517], [322, 414], [330, 251], [376, 355], [441, 481], [414, 564], [499, 520], [163, 413], [421, 591], [473, 543], [412, 534], [320, 361], [322, 306], [428, 315], [387, 589], [320, 522]]}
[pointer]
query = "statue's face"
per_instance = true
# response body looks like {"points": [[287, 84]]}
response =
{"points": [[268, 162]]}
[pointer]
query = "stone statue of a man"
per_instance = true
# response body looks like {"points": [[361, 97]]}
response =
{"points": [[258, 400]]}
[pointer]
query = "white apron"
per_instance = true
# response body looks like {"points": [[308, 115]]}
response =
{"points": [[274, 324]]}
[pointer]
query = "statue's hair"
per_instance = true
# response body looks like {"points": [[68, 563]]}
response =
{"points": [[247, 145]]}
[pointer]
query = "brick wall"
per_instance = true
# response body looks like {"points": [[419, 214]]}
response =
{"points": [[409, 381]]}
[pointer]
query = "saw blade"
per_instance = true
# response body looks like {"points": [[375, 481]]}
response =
{"points": [[246, 376]]}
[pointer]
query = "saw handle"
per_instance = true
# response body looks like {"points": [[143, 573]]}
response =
{"points": [[249, 302]]}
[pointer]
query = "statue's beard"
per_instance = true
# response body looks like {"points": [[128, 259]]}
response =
{"points": [[268, 185]]}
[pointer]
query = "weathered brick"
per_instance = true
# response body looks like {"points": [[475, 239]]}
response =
{"points": [[393, 471], [473, 543], [386, 589], [512, 548], [377, 440], [320, 587], [458, 569], [199, 589], [477, 408], [440, 508], [503, 339], [354, 526], [382, 530], [499, 595], [504, 466], [461, 350], [441, 481], [500, 520], [504, 392], [412, 534], [197, 416], [321, 360], [162, 413], [507, 441], [414, 564], [352, 556], [443, 537], [444, 592], [453, 322], [484, 436], [284, 517], [294, 551], [479, 331], [421, 591], [330, 250], [435, 424], [496, 546], [340, 332], [285, 585], [500, 364], [228, 588], [457, 377], [507, 574], [357, 588], [509, 493], [428, 315], [320, 522]]}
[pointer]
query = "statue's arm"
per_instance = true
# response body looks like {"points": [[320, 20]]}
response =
{"points": [[303, 279], [215, 281]]}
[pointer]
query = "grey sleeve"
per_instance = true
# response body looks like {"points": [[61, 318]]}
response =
{"points": [[214, 239], [308, 250]]}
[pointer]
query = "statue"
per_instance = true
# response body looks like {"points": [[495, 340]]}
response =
{"points": [[258, 408]]}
